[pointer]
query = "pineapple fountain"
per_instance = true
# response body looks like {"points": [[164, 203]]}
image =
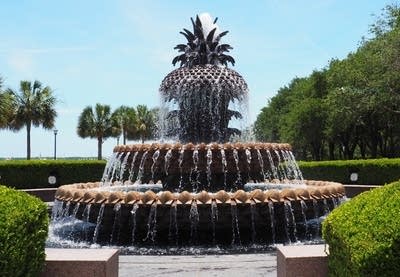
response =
{"points": [[202, 189]]}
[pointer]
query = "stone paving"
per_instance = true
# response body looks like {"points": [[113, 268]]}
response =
{"points": [[202, 265]]}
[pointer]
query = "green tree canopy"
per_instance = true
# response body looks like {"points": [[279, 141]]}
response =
{"points": [[35, 106], [97, 124]]}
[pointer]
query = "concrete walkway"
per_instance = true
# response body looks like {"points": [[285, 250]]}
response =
{"points": [[207, 265]]}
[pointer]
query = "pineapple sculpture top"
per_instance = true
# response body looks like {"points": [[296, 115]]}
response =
{"points": [[203, 87]]}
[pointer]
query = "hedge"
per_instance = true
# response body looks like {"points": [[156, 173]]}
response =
{"points": [[370, 172], [24, 174], [364, 234], [23, 232]]}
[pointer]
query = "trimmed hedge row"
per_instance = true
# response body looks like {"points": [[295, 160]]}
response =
{"points": [[370, 172], [364, 234], [24, 174], [35, 173], [23, 232]]}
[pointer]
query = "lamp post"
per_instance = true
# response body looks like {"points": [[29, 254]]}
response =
{"points": [[55, 143]]}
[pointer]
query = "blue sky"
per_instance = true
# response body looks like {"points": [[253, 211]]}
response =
{"points": [[117, 52]]}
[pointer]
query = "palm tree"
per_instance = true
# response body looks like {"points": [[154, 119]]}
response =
{"points": [[145, 123], [35, 105], [124, 119], [97, 124], [7, 105]]}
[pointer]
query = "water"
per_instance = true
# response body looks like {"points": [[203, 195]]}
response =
{"points": [[114, 238], [173, 233], [133, 213], [194, 221], [152, 224], [214, 218], [272, 221], [235, 225], [98, 223]]}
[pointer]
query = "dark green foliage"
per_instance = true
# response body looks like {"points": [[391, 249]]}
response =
{"points": [[364, 234], [370, 172], [23, 232], [354, 103], [35, 173]]}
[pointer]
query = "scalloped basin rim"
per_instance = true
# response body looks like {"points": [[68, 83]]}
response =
{"points": [[90, 193]]}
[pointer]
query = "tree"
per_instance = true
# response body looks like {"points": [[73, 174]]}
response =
{"points": [[35, 106], [7, 106], [124, 122], [145, 123], [96, 124]]}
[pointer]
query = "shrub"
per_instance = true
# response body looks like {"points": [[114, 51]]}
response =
{"points": [[23, 232], [370, 172], [24, 174], [364, 234]]}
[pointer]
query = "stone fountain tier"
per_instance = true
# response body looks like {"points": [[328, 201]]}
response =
{"points": [[269, 216], [211, 167], [201, 96], [215, 78]]}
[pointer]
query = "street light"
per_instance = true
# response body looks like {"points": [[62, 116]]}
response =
{"points": [[55, 143]]}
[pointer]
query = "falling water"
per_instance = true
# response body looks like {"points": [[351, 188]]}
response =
{"points": [[133, 212], [116, 166], [173, 224], [335, 202], [275, 174], [180, 162], [281, 165], [326, 207], [316, 217], [236, 158], [98, 223], [123, 167], [141, 167], [167, 158], [116, 225], [131, 170], [56, 212], [154, 158], [272, 220], [299, 175], [75, 211], [108, 167], [86, 216], [224, 164], [196, 172], [235, 225], [209, 161], [248, 158], [289, 216], [65, 211], [303, 213], [261, 163], [194, 221], [253, 222], [152, 223], [214, 217]]}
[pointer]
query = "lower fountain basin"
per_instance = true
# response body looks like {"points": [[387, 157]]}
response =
{"points": [[165, 218]]}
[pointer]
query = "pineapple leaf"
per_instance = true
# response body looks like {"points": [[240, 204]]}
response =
{"points": [[210, 35]]}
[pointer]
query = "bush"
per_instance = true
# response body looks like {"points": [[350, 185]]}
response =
{"points": [[23, 232], [370, 172], [24, 174], [364, 234]]}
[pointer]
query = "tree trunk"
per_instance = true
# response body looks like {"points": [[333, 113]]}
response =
{"points": [[99, 147], [28, 141], [331, 150]]}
